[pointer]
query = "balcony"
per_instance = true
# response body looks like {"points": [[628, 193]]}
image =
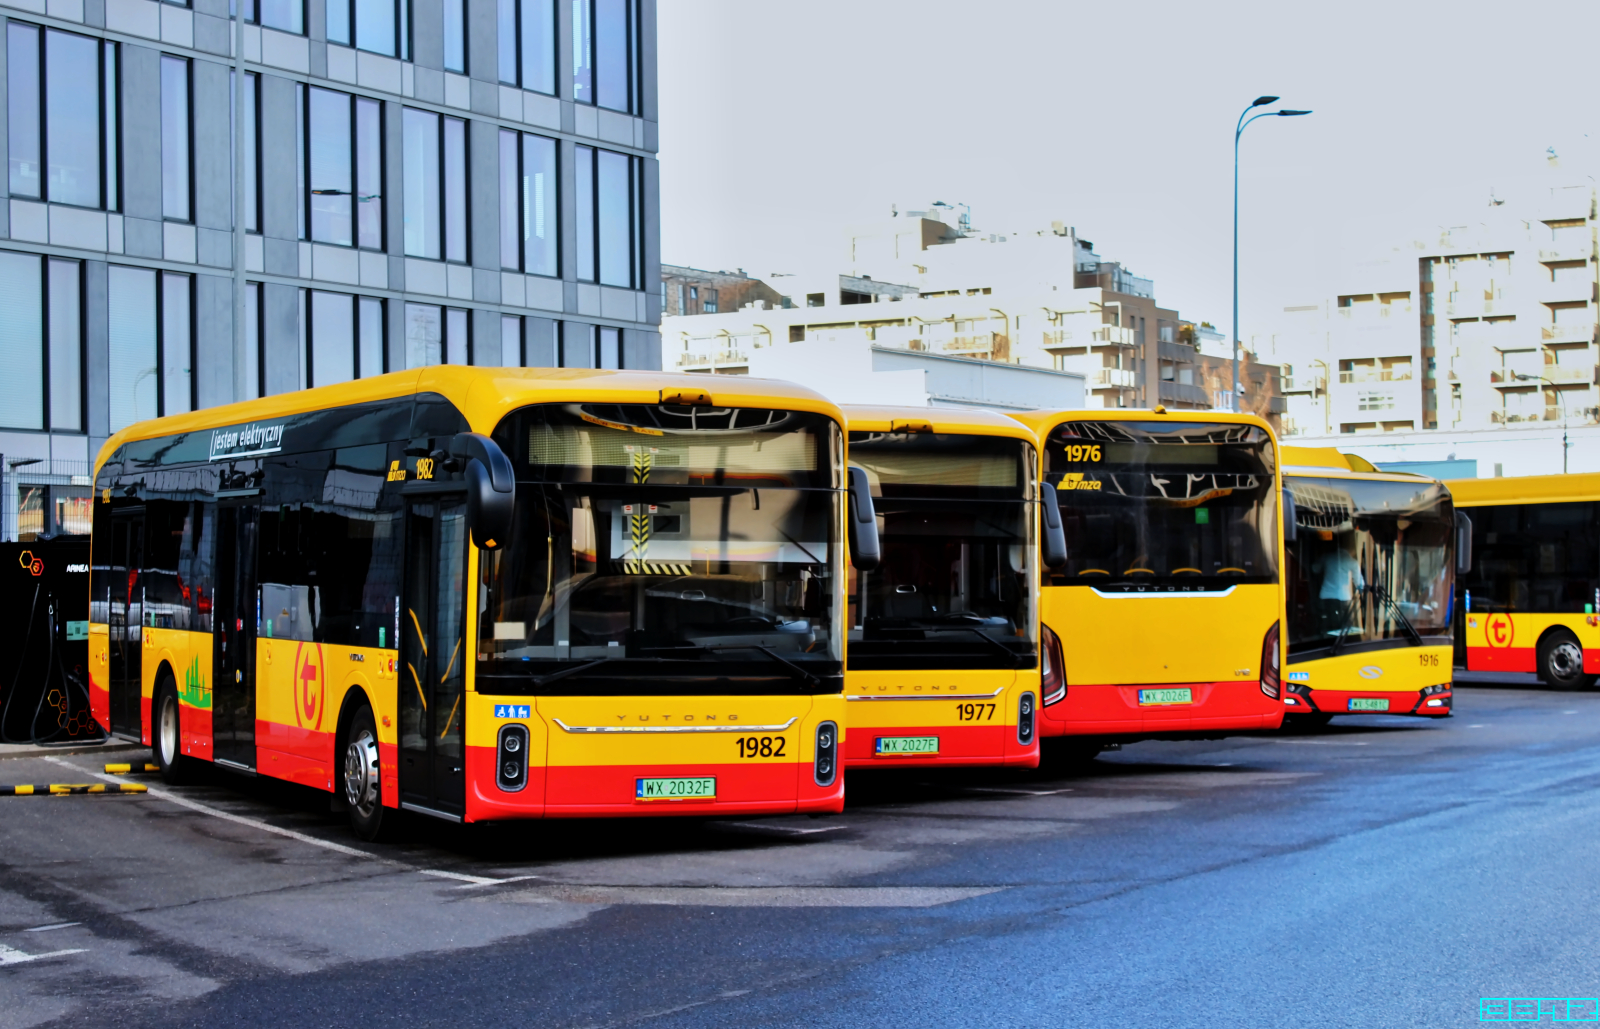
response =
{"points": [[1058, 338], [1310, 384], [1401, 374], [713, 361], [1549, 375], [1579, 248], [1582, 332], [1183, 393], [974, 343], [1117, 378], [1115, 335], [1564, 291]]}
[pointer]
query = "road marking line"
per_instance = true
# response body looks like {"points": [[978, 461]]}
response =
{"points": [[792, 830], [1020, 793], [47, 928], [13, 956], [207, 809]]}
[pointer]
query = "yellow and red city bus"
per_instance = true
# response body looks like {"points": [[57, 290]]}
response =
{"points": [[1370, 581], [942, 661], [485, 593], [1531, 602], [1164, 620]]}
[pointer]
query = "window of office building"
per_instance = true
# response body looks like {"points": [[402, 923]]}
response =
{"points": [[249, 143], [61, 124], [41, 342], [176, 163], [590, 346], [381, 26], [437, 335], [253, 376], [343, 168], [528, 204], [605, 53], [609, 191], [526, 37], [283, 15], [344, 339], [435, 210], [455, 36], [151, 341]]}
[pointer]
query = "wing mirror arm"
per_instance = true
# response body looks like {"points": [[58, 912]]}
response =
{"points": [[865, 551], [1291, 518], [1054, 531], [491, 488], [1463, 542]]}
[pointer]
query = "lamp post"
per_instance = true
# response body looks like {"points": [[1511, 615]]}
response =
{"points": [[1521, 377], [1260, 101]]}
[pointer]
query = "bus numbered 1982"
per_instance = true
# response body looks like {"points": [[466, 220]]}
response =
{"points": [[481, 593]]}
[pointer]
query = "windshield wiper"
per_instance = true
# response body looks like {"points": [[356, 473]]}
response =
{"points": [[1405, 623], [545, 680], [794, 669]]}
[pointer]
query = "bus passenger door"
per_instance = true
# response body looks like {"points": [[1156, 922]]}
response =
{"points": [[433, 656], [234, 613], [126, 618]]}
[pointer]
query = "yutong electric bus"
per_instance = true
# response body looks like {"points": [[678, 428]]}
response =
{"points": [[1370, 580], [486, 593], [1164, 621], [942, 661]]}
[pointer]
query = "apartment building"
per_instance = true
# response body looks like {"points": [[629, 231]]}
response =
{"points": [[926, 280], [1486, 325], [687, 290], [362, 187]]}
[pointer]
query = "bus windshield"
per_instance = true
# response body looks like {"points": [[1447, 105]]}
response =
{"points": [[1172, 506], [953, 587], [665, 549], [1371, 561]]}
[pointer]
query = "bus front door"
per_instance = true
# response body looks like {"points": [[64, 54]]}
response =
{"points": [[433, 655], [126, 617], [233, 714]]}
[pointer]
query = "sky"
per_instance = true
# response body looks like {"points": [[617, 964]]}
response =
{"points": [[784, 122]]}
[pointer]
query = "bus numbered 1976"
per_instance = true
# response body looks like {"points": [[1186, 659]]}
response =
{"points": [[486, 593]]}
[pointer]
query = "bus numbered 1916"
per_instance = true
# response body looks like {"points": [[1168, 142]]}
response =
{"points": [[1370, 583], [1163, 622], [942, 659], [486, 593], [1531, 602]]}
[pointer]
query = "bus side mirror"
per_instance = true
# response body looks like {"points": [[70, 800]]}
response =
{"points": [[491, 488], [1463, 543], [1055, 533], [865, 552], [1291, 518]]}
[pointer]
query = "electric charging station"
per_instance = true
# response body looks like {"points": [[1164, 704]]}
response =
{"points": [[44, 673]]}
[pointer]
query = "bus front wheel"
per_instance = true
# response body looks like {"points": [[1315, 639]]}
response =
{"points": [[362, 792], [1561, 662]]}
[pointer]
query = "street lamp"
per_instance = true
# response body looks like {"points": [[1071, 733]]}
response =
{"points": [[1523, 377], [1260, 101]]}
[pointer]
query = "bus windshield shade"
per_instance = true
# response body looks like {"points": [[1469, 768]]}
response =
{"points": [[952, 590], [1177, 506], [671, 549], [1371, 561]]}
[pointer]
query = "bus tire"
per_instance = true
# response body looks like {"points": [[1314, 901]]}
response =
{"points": [[166, 734], [1561, 661], [362, 780]]}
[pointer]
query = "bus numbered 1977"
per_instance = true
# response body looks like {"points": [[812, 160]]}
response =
{"points": [[942, 660], [485, 593], [1370, 576], [1164, 621]]}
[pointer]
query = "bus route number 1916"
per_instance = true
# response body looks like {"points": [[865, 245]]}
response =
{"points": [[761, 746]]}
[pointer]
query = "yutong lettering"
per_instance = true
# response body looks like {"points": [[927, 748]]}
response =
{"points": [[252, 439]]}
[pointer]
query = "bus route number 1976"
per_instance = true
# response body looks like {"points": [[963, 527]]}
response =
{"points": [[1082, 451]]}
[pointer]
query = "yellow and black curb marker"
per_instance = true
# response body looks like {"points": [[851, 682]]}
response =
{"points": [[69, 787], [125, 769]]}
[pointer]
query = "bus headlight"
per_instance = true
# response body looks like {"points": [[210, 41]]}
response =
{"points": [[1053, 681], [1269, 663], [1025, 718], [511, 768], [827, 760]]}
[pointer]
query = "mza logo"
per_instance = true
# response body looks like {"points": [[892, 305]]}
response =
{"points": [[31, 563], [310, 685], [1500, 630]]}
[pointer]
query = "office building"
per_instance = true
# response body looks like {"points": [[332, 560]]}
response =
{"points": [[418, 182]]}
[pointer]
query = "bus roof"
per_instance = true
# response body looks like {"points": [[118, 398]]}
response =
{"points": [[485, 395], [1042, 421], [1329, 461], [966, 421], [1526, 489]]}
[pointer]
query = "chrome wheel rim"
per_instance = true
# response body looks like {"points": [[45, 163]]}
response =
{"points": [[361, 773], [1566, 660], [169, 729]]}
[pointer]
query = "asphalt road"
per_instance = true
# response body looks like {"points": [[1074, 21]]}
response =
{"points": [[1381, 872]]}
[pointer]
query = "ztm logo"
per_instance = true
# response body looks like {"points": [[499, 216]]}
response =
{"points": [[1500, 630], [310, 685], [1370, 672], [31, 563]]}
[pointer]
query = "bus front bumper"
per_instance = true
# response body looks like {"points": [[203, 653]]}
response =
{"points": [[1303, 700]]}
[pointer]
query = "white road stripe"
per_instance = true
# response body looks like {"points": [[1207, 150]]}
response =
{"points": [[47, 928], [1014, 792], [791, 830], [206, 809], [474, 880], [13, 956]]}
